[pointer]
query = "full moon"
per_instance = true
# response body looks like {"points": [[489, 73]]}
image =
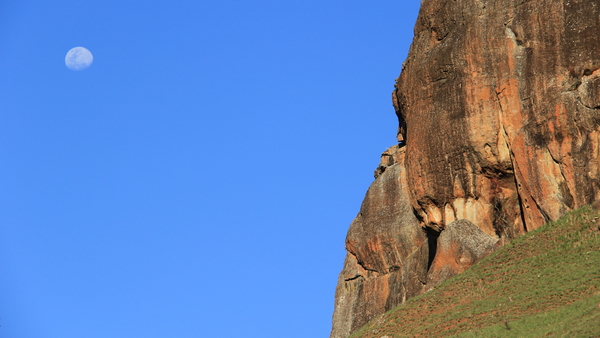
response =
{"points": [[78, 58]]}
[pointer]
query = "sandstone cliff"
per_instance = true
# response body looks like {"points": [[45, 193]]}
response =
{"points": [[498, 105]]}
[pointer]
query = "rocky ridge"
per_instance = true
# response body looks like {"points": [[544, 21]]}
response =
{"points": [[498, 105]]}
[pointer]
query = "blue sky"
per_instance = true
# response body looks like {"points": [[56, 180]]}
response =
{"points": [[199, 178]]}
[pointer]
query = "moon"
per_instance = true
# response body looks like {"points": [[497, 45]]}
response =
{"points": [[79, 58]]}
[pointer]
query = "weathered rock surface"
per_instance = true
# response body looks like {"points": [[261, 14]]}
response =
{"points": [[499, 108], [388, 253]]}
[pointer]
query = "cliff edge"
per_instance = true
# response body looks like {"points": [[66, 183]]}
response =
{"points": [[498, 105]]}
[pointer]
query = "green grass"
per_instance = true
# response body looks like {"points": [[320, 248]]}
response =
{"points": [[545, 283]]}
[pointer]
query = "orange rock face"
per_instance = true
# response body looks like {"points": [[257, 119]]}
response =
{"points": [[387, 251], [499, 108]]}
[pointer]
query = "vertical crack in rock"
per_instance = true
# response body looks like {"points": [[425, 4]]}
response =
{"points": [[507, 142], [432, 240]]}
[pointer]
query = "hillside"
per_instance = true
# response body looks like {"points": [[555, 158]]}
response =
{"points": [[544, 283]]}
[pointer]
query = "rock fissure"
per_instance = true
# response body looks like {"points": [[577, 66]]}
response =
{"points": [[362, 263], [522, 210], [541, 210], [557, 161], [432, 241], [520, 202], [353, 278], [520, 195]]}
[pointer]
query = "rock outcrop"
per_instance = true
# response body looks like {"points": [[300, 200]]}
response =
{"points": [[498, 105]]}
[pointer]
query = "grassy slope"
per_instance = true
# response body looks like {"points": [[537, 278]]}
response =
{"points": [[545, 283]]}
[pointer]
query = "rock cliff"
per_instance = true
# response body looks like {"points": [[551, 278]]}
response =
{"points": [[498, 105]]}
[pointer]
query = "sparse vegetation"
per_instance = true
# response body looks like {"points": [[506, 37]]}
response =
{"points": [[544, 283]]}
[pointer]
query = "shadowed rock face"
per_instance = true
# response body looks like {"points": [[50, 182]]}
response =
{"points": [[499, 103]]}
